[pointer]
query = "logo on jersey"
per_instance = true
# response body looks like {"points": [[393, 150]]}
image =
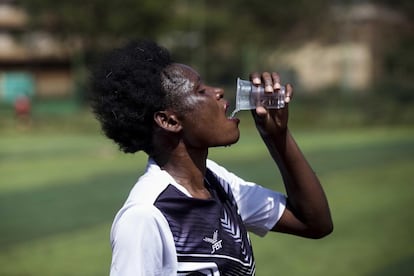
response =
{"points": [[215, 243]]}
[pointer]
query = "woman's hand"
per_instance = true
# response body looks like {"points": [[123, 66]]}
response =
{"points": [[271, 122], [307, 213]]}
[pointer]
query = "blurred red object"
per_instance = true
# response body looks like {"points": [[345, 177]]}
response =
{"points": [[22, 106]]}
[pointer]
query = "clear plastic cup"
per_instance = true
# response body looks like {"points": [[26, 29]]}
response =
{"points": [[249, 96]]}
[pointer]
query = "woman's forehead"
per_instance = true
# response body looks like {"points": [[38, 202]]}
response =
{"points": [[185, 70], [180, 78]]}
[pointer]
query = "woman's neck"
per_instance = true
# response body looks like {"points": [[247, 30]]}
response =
{"points": [[187, 167]]}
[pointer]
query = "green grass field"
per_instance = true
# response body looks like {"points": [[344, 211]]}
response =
{"points": [[60, 190]]}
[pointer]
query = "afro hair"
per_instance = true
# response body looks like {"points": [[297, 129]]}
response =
{"points": [[126, 91]]}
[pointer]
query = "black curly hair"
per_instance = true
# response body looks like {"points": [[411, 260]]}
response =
{"points": [[126, 90]]}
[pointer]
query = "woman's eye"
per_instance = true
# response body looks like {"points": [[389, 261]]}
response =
{"points": [[202, 91]]}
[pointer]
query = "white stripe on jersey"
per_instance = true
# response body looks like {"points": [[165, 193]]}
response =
{"points": [[208, 269]]}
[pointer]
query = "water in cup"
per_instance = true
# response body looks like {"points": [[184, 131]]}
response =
{"points": [[249, 96]]}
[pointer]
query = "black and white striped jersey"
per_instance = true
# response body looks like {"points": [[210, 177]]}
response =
{"points": [[162, 230]]}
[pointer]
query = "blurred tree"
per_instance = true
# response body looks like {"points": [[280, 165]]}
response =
{"points": [[100, 17], [261, 26], [228, 32], [271, 21], [404, 6], [100, 24], [234, 32]]}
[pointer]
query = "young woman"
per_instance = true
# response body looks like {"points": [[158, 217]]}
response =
{"points": [[187, 215]]}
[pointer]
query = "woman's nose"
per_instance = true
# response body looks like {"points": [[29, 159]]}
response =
{"points": [[219, 93]]}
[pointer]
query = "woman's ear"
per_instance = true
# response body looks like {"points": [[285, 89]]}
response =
{"points": [[167, 120]]}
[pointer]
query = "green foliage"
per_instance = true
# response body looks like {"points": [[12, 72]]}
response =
{"points": [[268, 21], [222, 39], [405, 6], [399, 61], [96, 19], [211, 35]]}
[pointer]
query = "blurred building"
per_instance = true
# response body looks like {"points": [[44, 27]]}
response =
{"points": [[32, 62], [351, 55]]}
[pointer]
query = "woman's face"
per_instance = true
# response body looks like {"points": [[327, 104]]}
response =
{"points": [[201, 108]]}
